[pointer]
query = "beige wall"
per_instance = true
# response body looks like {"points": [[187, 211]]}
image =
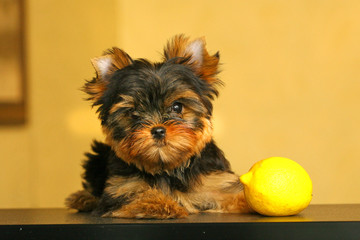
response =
{"points": [[42, 159], [291, 68]]}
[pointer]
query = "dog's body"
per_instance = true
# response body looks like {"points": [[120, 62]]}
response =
{"points": [[159, 159]]}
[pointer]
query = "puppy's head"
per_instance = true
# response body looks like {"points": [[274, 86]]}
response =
{"points": [[156, 115]]}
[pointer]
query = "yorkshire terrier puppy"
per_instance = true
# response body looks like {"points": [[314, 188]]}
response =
{"points": [[159, 159]]}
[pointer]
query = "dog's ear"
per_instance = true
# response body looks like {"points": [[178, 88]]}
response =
{"points": [[113, 60], [194, 54]]}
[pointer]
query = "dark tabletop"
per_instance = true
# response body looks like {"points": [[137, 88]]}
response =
{"points": [[315, 222]]}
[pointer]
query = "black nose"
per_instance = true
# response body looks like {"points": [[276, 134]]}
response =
{"points": [[158, 132]]}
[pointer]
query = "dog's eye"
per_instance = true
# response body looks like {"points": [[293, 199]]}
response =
{"points": [[134, 115], [177, 107]]}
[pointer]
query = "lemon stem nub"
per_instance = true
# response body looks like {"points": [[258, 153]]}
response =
{"points": [[246, 178]]}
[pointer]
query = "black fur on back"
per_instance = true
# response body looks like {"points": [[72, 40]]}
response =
{"points": [[96, 168]]}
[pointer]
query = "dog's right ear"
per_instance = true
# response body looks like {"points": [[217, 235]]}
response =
{"points": [[113, 60]]}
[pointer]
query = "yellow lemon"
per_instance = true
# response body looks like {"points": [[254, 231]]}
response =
{"points": [[277, 186]]}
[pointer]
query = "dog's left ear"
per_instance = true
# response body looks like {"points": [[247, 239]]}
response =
{"points": [[105, 66], [194, 54]]}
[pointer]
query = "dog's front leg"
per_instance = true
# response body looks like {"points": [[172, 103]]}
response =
{"points": [[150, 204], [134, 198]]}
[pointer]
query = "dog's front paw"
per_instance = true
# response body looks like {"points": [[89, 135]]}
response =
{"points": [[233, 203], [150, 204]]}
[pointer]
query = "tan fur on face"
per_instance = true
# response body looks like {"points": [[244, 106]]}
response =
{"points": [[154, 157], [143, 151]]}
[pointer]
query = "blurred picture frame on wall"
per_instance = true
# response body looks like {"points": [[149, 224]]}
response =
{"points": [[12, 62]]}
